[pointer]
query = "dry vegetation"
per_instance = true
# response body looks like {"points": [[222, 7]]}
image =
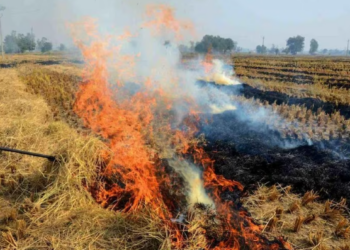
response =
{"points": [[302, 123], [45, 205], [306, 223], [322, 78], [16, 59], [325, 78]]}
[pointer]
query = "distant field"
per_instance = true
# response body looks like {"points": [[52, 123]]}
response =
{"points": [[53, 58], [315, 91], [326, 78]]}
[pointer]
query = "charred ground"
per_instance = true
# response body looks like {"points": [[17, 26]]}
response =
{"points": [[250, 156], [252, 153]]}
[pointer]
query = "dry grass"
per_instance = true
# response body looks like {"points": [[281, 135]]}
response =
{"points": [[321, 76], [316, 90], [312, 225], [299, 122], [57, 87], [44, 205], [38, 57]]}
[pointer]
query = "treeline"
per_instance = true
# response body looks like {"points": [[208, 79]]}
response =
{"points": [[294, 45], [215, 44], [20, 43]]}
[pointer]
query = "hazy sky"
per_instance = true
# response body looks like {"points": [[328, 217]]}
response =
{"points": [[244, 21]]}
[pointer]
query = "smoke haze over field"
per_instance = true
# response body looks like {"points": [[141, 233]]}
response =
{"points": [[244, 22]]}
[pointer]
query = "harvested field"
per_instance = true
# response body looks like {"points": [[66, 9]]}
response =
{"points": [[322, 78], [53, 198], [155, 152]]}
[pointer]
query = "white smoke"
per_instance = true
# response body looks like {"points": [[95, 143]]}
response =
{"points": [[193, 176], [219, 74], [160, 61]]}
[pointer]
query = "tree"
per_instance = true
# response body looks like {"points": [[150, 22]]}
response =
{"points": [[274, 50], [313, 46], [261, 49], [47, 47], [228, 45], [26, 42], [2, 8], [295, 44], [285, 50], [217, 43], [44, 45], [192, 46], [19, 43], [62, 47], [11, 43]]}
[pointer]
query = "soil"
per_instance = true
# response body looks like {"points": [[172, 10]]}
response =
{"points": [[250, 155]]}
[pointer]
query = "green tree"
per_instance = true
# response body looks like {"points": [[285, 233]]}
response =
{"points": [[285, 50], [19, 43], [2, 8], [11, 43], [62, 47], [44, 45], [313, 46], [26, 42], [217, 43], [261, 49], [192, 46], [295, 44], [47, 47], [274, 50], [228, 45]]}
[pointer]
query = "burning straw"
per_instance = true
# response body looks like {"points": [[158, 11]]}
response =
{"points": [[146, 110]]}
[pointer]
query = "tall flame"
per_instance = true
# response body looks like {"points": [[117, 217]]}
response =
{"points": [[146, 119], [162, 18], [137, 127]]}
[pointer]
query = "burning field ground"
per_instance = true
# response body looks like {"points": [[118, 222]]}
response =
{"points": [[158, 150]]}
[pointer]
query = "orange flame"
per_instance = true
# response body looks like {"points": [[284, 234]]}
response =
{"points": [[208, 61], [128, 124], [162, 18], [137, 129]]}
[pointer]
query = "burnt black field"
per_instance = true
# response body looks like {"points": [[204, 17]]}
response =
{"points": [[252, 156], [254, 153]]}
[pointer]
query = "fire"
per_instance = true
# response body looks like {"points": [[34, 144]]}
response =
{"points": [[149, 123], [215, 72], [162, 17], [208, 61]]}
